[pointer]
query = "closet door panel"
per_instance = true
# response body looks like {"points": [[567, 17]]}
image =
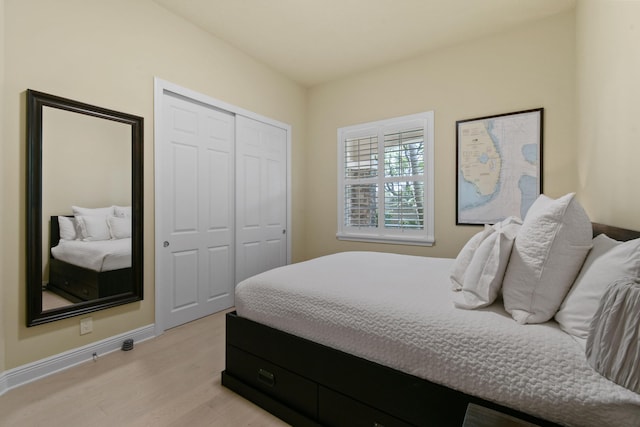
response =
{"points": [[197, 211], [261, 199], [221, 202]]}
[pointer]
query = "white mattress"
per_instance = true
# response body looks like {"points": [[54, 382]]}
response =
{"points": [[397, 310], [101, 255]]}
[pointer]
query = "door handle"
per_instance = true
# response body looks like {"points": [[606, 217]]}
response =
{"points": [[165, 244]]}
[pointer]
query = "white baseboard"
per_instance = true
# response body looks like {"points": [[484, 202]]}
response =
{"points": [[41, 368], [3, 383]]}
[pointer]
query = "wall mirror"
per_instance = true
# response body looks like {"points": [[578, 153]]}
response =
{"points": [[84, 208]]}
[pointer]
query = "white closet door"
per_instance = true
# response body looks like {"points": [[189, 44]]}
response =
{"points": [[261, 197], [197, 202]]}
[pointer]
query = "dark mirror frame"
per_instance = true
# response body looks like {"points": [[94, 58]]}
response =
{"points": [[35, 103]]}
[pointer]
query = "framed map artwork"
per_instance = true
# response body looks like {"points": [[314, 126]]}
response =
{"points": [[498, 166]]}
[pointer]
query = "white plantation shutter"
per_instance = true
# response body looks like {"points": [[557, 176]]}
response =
{"points": [[404, 179], [360, 173], [386, 180]]}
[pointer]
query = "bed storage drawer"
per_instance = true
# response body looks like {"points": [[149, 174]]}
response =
{"points": [[281, 384], [79, 283], [84, 291], [338, 410], [79, 287]]}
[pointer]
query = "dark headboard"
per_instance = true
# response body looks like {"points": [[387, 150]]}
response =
{"points": [[616, 233], [54, 231]]}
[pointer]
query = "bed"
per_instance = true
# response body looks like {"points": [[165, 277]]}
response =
{"points": [[86, 270], [316, 344]]}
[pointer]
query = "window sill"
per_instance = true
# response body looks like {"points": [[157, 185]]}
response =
{"points": [[394, 240]]}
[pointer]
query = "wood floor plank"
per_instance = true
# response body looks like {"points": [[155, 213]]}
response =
{"points": [[169, 381]]}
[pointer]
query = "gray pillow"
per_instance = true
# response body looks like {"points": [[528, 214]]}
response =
{"points": [[613, 344]]}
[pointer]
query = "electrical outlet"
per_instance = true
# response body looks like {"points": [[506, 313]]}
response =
{"points": [[86, 325]]}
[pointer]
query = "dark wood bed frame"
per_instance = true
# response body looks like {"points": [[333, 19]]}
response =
{"points": [[308, 384], [79, 284]]}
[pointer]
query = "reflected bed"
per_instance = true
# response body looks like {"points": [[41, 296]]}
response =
{"points": [[82, 271]]}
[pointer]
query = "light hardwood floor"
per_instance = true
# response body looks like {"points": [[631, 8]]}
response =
{"points": [[172, 380]]}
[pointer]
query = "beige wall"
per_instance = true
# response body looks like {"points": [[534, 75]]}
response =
{"points": [[531, 67], [3, 317], [608, 106], [107, 53], [86, 161]]}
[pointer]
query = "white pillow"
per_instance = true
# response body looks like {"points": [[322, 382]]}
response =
{"points": [[483, 278], [67, 228], [94, 227], [465, 256], [549, 250], [463, 259], [122, 211], [120, 227], [78, 211], [608, 261]]}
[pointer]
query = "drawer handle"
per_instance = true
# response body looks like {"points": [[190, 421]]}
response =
{"points": [[266, 377]]}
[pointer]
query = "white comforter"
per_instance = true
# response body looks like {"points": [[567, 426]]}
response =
{"points": [[101, 255], [397, 310]]}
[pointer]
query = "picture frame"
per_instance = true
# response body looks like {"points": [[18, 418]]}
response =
{"points": [[498, 166]]}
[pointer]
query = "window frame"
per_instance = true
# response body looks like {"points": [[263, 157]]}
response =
{"points": [[381, 234]]}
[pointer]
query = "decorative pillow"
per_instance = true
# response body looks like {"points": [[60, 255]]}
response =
{"points": [[483, 278], [465, 256], [608, 261], [78, 211], [463, 259], [67, 228], [122, 211], [94, 227], [120, 227], [613, 342], [548, 252]]}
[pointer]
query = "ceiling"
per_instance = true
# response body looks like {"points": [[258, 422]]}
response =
{"points": [[314, 41]]}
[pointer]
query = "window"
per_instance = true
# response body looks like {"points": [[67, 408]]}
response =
{"points": [[385, 183]]}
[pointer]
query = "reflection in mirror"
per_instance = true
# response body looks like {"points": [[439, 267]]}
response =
{"points": [[86, 162], [84, 196]]}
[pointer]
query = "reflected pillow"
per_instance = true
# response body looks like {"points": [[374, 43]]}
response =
{"points": [[608, 261], [79, 211], [93, 227], [67, 228], [120, 228], [122, 211]]}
